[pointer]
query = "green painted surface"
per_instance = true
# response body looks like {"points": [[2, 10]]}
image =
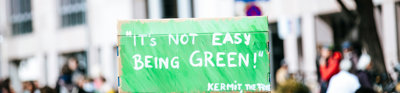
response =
{"points": [[205, 71]]}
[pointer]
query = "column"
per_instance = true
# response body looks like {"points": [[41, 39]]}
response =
{"points": [[107, 63], [184, 9], [310, 50], [389, 36], [154, 7], [288, 32], [3, 44]]}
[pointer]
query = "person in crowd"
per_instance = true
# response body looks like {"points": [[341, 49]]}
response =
{"points": [[282, 73], [349, 53], [327, 66], [1, 86], [30, 87], [69, 74], [102, 86], [80, 84], [344, 81], [47, 89], [292, 86], [363, 66], [88, 85], [6, 86]]}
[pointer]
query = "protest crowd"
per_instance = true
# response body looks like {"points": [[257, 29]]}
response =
{"points": [[346, 71], [354, 45], [71, 80]]}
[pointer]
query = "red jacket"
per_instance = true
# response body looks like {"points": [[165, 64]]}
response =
{"points": [[331, 67]]}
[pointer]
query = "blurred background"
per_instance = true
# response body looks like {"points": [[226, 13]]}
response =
{"points": [[70, 45]]}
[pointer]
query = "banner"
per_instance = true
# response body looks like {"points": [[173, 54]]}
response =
{"points": [[194, 55]]}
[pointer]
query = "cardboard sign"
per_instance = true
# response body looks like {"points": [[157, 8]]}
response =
{"points": [[194, 55]]}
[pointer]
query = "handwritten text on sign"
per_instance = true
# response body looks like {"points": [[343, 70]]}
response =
{"points": [[218, 39]]}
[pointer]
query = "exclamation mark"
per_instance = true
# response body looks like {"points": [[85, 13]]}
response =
{"points": [[255, 60]]}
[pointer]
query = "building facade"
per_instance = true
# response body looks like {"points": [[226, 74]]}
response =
{"points": [[47, 32]]}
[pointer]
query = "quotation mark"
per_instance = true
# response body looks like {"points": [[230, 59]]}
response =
{"points": [[128, 33]]}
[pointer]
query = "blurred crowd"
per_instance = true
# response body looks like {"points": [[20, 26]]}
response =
{"points": [[347, 71], [71, 80]]}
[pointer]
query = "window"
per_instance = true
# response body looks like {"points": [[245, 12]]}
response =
{"points": [[21, 17], [169, 9], [73, 12]]}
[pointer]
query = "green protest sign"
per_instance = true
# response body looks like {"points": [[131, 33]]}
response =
{"points": [[194, 55]]}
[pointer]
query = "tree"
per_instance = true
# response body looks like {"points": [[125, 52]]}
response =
{"points": [[367, 32]]}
